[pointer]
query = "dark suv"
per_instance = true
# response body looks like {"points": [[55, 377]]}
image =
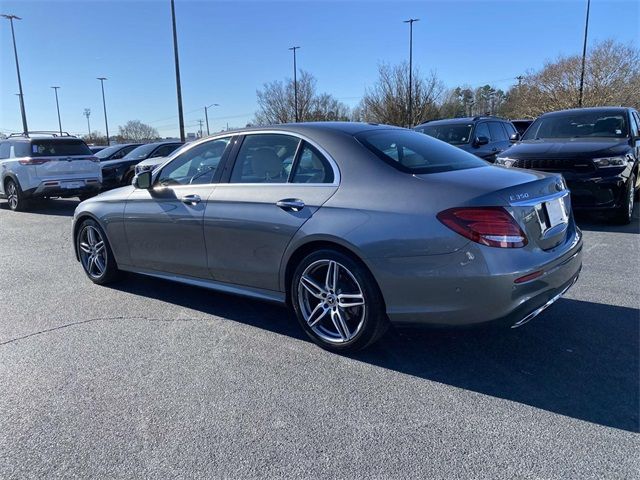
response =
{"points": [[595, 149], [485, 137]]}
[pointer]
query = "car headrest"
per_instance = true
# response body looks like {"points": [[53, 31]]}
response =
{"points": [[265, 163]]}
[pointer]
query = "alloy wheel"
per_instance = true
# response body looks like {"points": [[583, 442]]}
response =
{"points": [[12, 195], [93, 252], [331, 301]]}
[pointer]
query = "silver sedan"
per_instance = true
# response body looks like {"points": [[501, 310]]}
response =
{"points": [[352, 225]]}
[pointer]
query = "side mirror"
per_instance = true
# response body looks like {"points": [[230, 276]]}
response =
{"points": [[143, 180], [514, 137], [481, 141]]}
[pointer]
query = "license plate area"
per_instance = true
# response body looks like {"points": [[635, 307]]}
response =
{"points": [[72, 185], [552, 213]]}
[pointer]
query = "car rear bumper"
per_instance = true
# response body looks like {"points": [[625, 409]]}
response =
{"points": [[64, 188], [463, 288]]}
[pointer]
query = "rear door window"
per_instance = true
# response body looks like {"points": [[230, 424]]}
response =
{"points": [[55, 148], [497, 132], [265, 158], [311, 167]]}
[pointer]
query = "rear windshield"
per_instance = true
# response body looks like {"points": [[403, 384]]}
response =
{"points": [[414, 152], [579, 124], [453, 133], [48, 148]]}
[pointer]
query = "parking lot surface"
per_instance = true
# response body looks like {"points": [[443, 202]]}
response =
{"points": [[147, 378]]}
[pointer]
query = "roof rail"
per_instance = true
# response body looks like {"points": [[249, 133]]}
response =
{"points": [[495, 117], [53, 133]]}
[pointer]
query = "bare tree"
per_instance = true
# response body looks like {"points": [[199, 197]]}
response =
{"points": [[387, 101], [136, 131], [96, 138], [276, 103], [612, 77]]}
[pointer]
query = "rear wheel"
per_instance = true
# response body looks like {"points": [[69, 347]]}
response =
{"points": [[624, 212], [337, 302], [95, 253], [15, 196]]}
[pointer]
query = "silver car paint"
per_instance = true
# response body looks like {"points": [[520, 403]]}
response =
{"points": [[237, 240]]}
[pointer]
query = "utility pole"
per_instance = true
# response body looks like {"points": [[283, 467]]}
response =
{"points": [[410, 22], [87, 113], [177, 64], [206, 116], [200, 122], [295, 84], [584, 54], [11, 18], [104, 106], [55, 89], [519, 78]]}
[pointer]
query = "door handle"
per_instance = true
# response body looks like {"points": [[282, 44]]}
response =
{"points": [[191, 199], [292, 204]]}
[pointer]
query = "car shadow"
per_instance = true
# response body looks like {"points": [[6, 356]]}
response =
{"points": [[61, 207], [579, 359], [600, 222]]}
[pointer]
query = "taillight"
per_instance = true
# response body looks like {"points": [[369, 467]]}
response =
{"points": [[32, 161], [491, 226]]}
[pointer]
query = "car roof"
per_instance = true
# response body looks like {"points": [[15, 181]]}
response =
{"points": [[446, 121], [587, 110], [42, 137], [351, 128]]}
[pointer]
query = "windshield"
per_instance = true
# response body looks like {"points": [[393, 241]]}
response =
{"points": [[413, 152], [141, 152], [454, 133], [45, 148], [579, 124], [108, 151]]}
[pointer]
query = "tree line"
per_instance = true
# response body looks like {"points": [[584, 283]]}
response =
{"points": [[612, 77]]}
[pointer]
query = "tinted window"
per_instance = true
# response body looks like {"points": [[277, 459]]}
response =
{"points": [[141, 152], [4, 149], [482, 130], [312, 167], [107, 152], [509, 128], [47, 148], [579, 124], [454, 133], [497, 132], [165, 150], [414, 152], [195, 166], [635, 124], [265, 158]]}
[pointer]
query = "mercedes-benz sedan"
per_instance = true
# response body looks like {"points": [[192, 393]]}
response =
{"points": [[353, 225]]}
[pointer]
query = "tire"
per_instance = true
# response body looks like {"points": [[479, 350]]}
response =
{"points": [[624, 212], [128, 179], [92, 243], [333, 317], [15, 196]]}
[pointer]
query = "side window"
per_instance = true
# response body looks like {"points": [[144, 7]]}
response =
{"points": [[265, 158], [497, 132], [635, 124], [164, 151], [312, 167], [195, 166], [119, 154], [509, 128], [482, 130], [4, 150]]}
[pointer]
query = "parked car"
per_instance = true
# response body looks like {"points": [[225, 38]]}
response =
{"points": [[116, 173], [595, 149], [36, 165], [522, 125], [152, 162], [483, 136], [115, 152], [96, 148], [367, 224]]}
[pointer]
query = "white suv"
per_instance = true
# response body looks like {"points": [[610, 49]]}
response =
{"points": [[39, 166]]}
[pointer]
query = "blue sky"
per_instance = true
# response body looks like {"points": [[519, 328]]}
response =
{"points": [[228, 49]]}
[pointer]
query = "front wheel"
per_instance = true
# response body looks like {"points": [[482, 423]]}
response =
{"points": [[337, 302], [95, 253], [624, 213]]}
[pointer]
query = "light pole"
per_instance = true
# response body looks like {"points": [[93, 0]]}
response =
{"points": [[104, 107], [410, 22], [177, 63], [87, 112], [295, 84], [11, 18], [55, 89], [206, 115], [584, 54]]}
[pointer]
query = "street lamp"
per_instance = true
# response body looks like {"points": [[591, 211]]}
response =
{"points": [[584, 54], [295, 83], [55, 89], [177, 63], [206, 116], [11, 18], [87, 113], [410, 22], [104, 107]]}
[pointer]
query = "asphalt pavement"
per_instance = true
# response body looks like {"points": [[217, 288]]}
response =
{"points": [[150, 379]]}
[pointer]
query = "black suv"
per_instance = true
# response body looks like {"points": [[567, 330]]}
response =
{"points": [[485, 137], [595, 149]]}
